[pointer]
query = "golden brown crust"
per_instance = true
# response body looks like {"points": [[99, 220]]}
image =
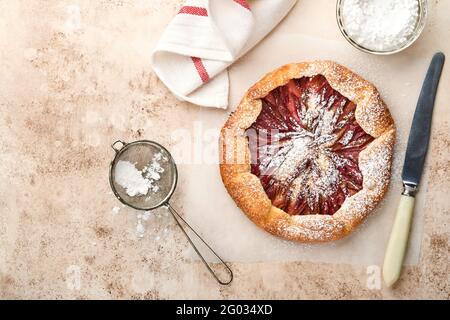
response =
{"points": [[374, 162]]}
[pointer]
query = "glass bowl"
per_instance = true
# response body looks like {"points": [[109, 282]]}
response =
{"points": [[420, 24]]}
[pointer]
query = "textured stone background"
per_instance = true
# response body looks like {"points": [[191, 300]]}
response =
{"points": [[74, 76]]}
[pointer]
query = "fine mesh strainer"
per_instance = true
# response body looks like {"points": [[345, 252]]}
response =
{"points": [[140, 153]]}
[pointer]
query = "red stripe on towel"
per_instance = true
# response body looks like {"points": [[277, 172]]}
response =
{"points": [[196, 11], [198, 63], [243, 3]]}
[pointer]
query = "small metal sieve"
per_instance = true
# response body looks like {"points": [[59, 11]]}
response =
{"points": [[140, 153]]}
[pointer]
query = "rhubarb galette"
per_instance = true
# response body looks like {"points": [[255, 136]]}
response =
{"points": [[307, 153]]}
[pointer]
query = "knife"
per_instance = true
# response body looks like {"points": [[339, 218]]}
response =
{"points": [[412, 170]]}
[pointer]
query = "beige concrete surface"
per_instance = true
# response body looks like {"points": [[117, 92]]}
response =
{"points": [[74, 76]]}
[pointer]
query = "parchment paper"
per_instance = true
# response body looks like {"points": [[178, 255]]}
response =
{"points": [[210, 209]]}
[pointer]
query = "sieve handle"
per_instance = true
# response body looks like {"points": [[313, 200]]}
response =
{"points": [[177, 218], [114, 145]]}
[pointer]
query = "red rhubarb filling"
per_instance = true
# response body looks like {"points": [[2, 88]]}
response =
{"points": [[305, 146]]}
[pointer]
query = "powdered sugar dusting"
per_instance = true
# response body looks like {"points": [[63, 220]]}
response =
{"points": [[347, 137], [377, 171], [308, 158], [315, 229]]}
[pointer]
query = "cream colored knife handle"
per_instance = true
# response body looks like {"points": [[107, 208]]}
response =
{"points": [[398, 241]]}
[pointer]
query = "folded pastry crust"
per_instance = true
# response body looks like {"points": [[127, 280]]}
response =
{"points": [[374, 161]]}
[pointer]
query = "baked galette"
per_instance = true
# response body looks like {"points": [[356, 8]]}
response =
{"points": [[307, 153]]}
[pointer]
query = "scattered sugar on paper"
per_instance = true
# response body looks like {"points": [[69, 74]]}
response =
{"points": [[140, 229], [154, 220]]}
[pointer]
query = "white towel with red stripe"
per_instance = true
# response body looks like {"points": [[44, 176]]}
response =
{"points": [[207, 36]]}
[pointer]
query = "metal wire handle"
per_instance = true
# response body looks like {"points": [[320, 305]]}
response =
{"points": [[177, 218]]}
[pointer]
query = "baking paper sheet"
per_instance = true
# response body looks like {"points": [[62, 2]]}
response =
{"points": [[210, 209]]}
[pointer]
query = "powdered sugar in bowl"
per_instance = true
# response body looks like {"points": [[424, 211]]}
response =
{"points": [[381, 26]]}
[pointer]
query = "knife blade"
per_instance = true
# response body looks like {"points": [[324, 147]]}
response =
{"points": [[419, 135], [416, 151]]}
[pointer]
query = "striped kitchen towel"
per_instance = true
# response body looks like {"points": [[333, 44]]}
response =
{"points": [[207, 36]]}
